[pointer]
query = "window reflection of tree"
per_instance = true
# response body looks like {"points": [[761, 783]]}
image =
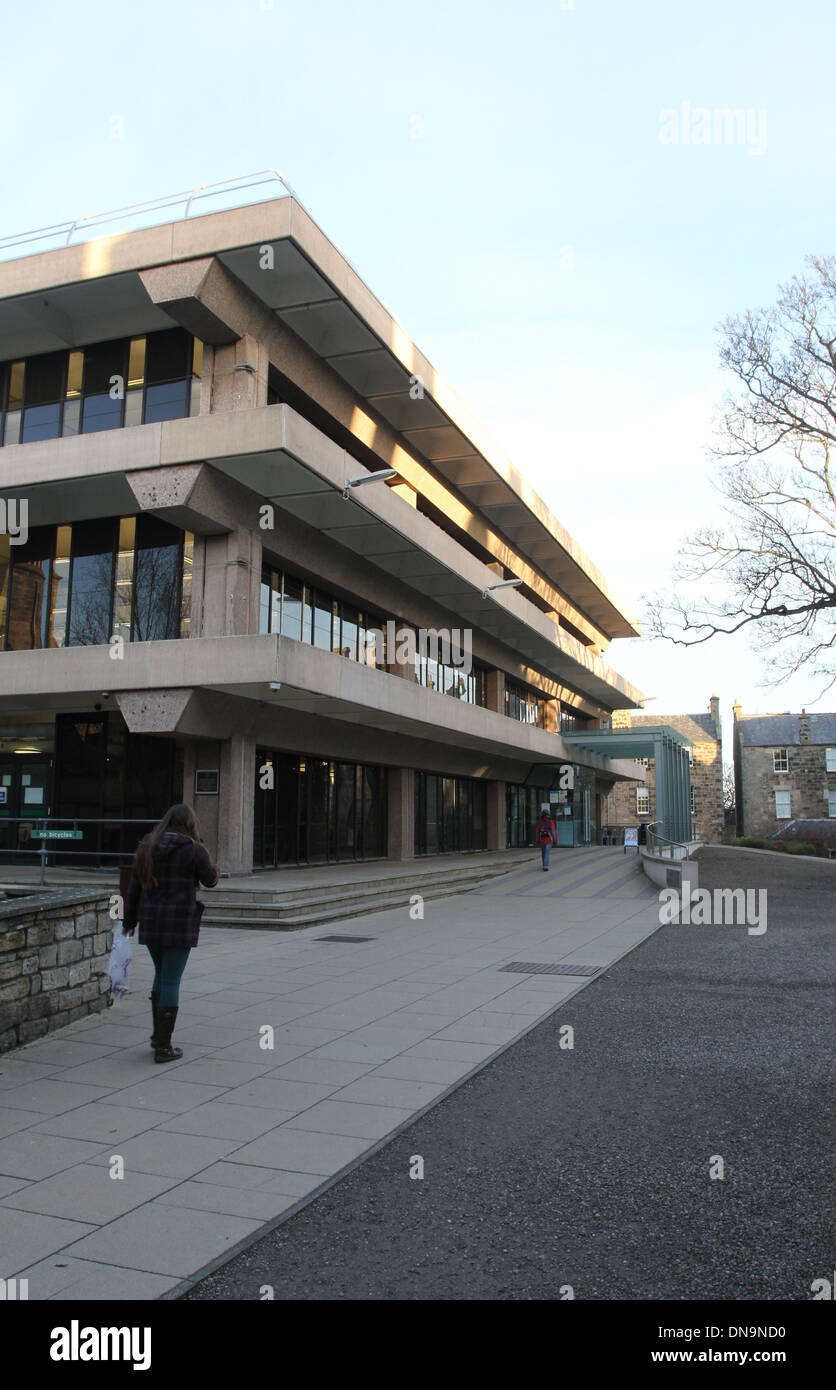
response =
{"points": [[156, 594]]}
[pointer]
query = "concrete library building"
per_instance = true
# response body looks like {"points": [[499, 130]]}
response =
{"points": [[256, 555]]}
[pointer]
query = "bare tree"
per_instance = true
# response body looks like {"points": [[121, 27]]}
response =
{"points": [[729, 791], [770, 566]]}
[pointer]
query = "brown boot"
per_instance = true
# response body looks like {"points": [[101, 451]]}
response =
{"points": [[164, 1052]]}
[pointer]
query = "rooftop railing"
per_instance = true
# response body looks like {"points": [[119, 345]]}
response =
{"points": [[222, 197]]}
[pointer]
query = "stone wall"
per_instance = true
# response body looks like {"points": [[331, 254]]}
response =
{"points": [[54, 950], [807, 781]]}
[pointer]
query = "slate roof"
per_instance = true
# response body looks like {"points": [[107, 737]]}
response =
{"points": [[784, 730]]}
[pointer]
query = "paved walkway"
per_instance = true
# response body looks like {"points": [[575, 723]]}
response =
{"points": [[596, 1167], [221, 1146]]}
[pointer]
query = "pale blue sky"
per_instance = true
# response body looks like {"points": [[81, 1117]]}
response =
{"points": [[502, 178]]}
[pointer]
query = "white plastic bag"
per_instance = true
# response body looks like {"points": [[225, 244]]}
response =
{"points": [[120, 959]]}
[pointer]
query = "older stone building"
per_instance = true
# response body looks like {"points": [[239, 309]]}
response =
{"points": [[634, 805], [784, 769]]}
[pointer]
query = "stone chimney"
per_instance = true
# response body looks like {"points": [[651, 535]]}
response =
{"points": [[714, 711], [804, 728]]}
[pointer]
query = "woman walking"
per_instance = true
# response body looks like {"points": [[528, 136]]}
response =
{"points": [[545, 835], [168, 865]]}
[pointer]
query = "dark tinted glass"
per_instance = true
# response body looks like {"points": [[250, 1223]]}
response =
{"points": [[45, 378], [91, 585], [102, 361], [168, 356], [167, 402], [158, 564]]}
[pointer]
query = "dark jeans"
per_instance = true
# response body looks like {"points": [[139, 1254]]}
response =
{"points": [[169, 964]]}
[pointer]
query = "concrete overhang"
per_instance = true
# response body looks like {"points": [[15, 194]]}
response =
{"points": [[626, 743], [93, 291], [282, 458], [155, 683]]}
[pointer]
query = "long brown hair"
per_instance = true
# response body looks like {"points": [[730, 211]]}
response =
{"points": [[178, 820]]}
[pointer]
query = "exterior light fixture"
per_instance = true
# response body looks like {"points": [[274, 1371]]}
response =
{"points": [[501, 584], [275, 685], [378, 477]]}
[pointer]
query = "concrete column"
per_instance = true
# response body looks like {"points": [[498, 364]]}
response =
{"points": [[203, 754], [235, 811], [400, 806], [239, 375], [189, 766], [497, 833], [231, 579]]}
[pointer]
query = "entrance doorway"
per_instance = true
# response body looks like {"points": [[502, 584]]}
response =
{"points": [[25, 790]]}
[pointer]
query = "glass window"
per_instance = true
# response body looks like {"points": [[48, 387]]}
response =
{"points": [[831, 803], [642, 801], [91, 583], [782, 805], [123, 602], [157, 577], [60, 587], [830, 759], [291, 616], [780, 760], [168, 356], [186, 587], [348, 638], [264, 602], [166, 402], [44, 393], [105, 370], [5, 563], [322, 621], [29, 590]]}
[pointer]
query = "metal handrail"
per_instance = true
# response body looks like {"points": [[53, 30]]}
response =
{"points": [[187, 196], [664, 847], [50, 847]]}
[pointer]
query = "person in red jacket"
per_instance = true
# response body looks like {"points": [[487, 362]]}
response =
{"points": [[545, 835], [168, 865]]}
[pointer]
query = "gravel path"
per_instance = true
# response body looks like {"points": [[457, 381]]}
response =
{"points": [[590, 1167]]}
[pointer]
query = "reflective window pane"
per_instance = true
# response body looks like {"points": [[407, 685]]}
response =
{"points": [[91, 584], [157, 573], [166, 402]]}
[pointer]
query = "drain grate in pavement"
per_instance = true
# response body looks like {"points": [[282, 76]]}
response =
{"points": [[533, 967], [345, 938]]}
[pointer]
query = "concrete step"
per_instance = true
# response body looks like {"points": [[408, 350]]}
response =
{"points": [[332, 912], [339, 887], [241, 905]]}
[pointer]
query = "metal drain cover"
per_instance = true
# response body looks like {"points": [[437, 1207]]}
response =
{"points": [[533, 967], [346, 938]]}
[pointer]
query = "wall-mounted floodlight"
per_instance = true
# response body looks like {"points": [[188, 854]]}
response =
{"points": [[501, 584], [275, 685], [380, 476]]}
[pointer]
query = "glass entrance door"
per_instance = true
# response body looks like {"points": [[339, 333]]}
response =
{"points": [[25, 791]]}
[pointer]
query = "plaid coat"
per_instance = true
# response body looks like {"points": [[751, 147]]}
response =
{"points": [[169, 913]]}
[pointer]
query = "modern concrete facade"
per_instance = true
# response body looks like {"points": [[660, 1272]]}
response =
{"points": [[635, 805], [784, 769], [188, 613]]}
